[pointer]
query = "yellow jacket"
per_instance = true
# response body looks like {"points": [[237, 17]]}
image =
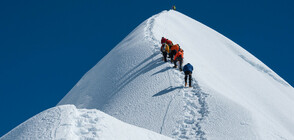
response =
{"points": [[165, 48]]}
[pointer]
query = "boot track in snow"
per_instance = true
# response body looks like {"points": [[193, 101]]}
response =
{"points": [[195, 109]]}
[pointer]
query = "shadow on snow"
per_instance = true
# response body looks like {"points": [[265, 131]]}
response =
{"points": [[134, 73], [163, 70], [169, 89]]}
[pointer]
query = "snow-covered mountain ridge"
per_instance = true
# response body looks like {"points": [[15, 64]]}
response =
{"points": [[234, 95], [68, 122]]}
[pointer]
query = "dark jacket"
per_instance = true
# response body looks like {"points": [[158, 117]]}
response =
{"points": [[188, 67]]}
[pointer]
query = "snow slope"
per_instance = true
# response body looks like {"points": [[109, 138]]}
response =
{"points": [[68, 122], [234, 95]]}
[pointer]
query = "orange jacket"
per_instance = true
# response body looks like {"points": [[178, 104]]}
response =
{"points": [[175, 47], [179, 54]]}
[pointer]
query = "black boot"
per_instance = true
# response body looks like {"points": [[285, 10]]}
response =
{"points": [[175, 63]]}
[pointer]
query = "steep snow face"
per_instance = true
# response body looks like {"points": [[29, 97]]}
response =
{"points": [[68, 122], [234, 95], [243, 92]]}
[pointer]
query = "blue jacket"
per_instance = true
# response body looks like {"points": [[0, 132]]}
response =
{"points": [[188, 67]]}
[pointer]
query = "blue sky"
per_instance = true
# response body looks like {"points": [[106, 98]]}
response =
{"points": [[47, 46]]}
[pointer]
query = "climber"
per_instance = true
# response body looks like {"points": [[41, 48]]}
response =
{"points": [[188, 68], [173, 51], [179, 57], [164, 50], [168, 42], [174, 7]]}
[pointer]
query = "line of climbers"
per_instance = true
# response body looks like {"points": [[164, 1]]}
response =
{"points": [[176, 54]]}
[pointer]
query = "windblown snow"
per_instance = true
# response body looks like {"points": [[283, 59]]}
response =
{"points": [[233, 96]]}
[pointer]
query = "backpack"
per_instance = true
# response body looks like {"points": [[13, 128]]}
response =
{"points": [[165, 48]]}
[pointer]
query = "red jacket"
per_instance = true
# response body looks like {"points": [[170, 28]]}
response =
{"points": [[163, 40], [169, 42], [179, 54]]}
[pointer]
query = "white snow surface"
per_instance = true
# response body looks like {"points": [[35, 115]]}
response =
{"points": [[68, 122], [233, 96]]}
